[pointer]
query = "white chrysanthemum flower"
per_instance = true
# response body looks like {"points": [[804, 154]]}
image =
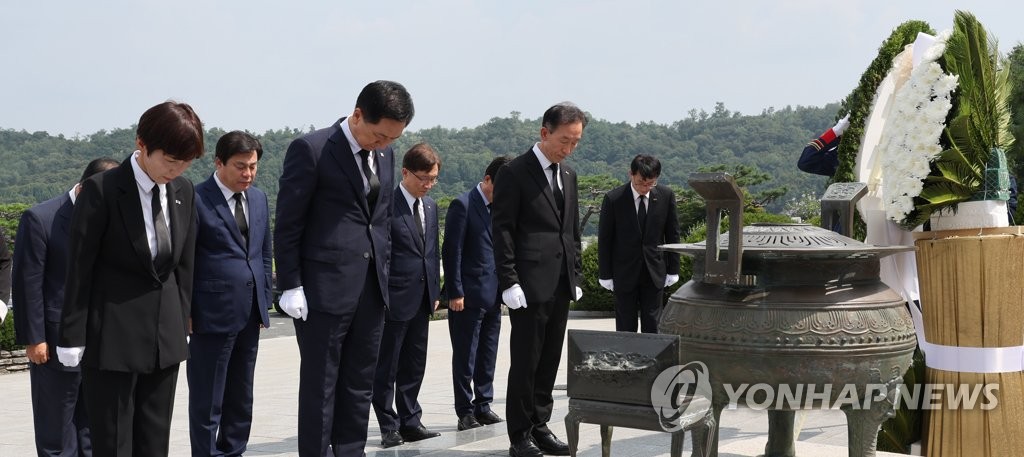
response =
{"points": [[920, 108]]}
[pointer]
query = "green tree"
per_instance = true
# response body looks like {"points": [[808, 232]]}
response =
{"points": [[10, 215], [591, 193]]}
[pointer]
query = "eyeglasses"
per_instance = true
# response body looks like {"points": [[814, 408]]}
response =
{"points": [[426, 179], [645, 182]]}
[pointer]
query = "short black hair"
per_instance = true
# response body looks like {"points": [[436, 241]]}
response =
{"points": [[173, 127], [495, 165], [98, 166], [562, 114], [237, 142], [421, 157], [385, 99], [648, 167]]}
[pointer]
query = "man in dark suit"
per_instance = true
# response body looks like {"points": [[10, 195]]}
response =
{"points": [[414, 288], [537, 252], [474, 310], [41, 267], [230, 299], [331, 243], [129, 285], [636, 218]]}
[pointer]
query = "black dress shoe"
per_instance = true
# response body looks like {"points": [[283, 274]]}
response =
{"points": [[467, 422], [550, 444], [391, 439], [488, 417], [417, 433], [524, 448]]}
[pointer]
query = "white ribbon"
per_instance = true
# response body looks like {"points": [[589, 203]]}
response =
{"points": [[966, 359]]}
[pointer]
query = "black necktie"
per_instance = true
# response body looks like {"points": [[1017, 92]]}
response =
{"points": [[163, 234], [641, 214], [417, 218], [371, 177], [488, 208], [557, 191], [243, 226]]}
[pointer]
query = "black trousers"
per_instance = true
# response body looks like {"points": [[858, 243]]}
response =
{"points": [[130, 413], [645, 300], [536, 350]]}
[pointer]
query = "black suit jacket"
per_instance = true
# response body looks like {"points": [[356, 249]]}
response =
{"points": [[41, 267], [533, 244], [622, 250], [415, 263], [128, 317], [325, 234]]}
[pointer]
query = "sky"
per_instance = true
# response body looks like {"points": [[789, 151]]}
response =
{"points": [[75, 68]]}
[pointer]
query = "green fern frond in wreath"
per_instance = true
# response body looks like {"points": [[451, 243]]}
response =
{"points": [[978, 123]]}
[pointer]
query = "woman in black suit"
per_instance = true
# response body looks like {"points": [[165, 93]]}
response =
{"points": [[129, 284]]}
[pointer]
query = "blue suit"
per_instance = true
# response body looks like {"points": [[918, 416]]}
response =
{"points": [[232, 291], [40, 271], [468, 257], [414, 286], [332, 243]]}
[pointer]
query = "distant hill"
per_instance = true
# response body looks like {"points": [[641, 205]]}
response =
{"points": [[37, 166]]}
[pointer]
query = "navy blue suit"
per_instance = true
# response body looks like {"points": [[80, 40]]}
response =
{"points": [[414, 286], [468, 258], [329, 241], [232, 291], [41, 266]]}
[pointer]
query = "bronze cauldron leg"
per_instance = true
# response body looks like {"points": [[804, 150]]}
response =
{"points": [[705, 436], [606, 440], [862, 427], [780, 434], [572, 428]]}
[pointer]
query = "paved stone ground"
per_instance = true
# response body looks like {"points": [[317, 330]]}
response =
{"points": [[743, 431]]}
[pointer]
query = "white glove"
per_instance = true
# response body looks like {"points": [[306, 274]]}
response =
{"points": [[579, 293], [70, 357], [607, 284], [3, 311], [671, 279], [293, 303], [514, 298], [842, 125]]}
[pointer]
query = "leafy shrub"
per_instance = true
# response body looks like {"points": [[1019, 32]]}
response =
{"points": [[595, 297], [7, 334]]}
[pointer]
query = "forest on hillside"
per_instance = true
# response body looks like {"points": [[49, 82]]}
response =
{"points": [[37, 166]]}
